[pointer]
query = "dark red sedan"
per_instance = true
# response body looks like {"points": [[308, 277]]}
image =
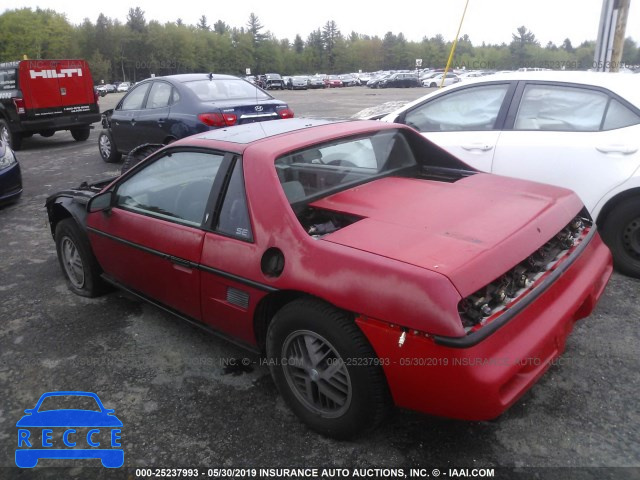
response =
{"points": [[371, 267]]}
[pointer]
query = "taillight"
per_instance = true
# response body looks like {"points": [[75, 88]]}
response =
{"points": [[218, 119], [285, 113], [19, 103]]}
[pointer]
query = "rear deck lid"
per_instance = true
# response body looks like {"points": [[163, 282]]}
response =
{"points": [[472, 231]]}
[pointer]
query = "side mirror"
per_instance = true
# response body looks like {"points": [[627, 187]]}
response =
{"points": [[100, 202]]}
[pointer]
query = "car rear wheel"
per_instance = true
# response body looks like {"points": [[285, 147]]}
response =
{"points": [[138, 154], [326, 370], [107, 148], [80, 134], [77, 261], [621, 233], [14, 140]]}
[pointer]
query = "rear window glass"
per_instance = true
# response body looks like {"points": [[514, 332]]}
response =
{"points": [[8, 79], [619, 116], [319, 170], [232, 89]]}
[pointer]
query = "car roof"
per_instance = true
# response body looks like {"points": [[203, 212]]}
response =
{"points": [[252, 132], [623, 84], [238, 138], [191, 77]]}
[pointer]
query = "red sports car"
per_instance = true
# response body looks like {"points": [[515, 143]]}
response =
{"points": [[371, 267]]}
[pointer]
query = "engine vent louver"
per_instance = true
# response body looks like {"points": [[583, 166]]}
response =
{"points": [[238, 298]]}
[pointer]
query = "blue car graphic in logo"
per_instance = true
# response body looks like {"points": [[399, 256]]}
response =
{"points": [[72, 433]]}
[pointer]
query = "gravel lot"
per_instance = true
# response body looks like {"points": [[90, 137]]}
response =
{"points": [[182, 407]]}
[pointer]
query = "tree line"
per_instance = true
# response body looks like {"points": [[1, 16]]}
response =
{"points": [[137, 48]]}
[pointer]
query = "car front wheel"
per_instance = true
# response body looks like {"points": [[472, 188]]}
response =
{"points": [[76, 259], [312, 349], [621, 232], [107, 148]]}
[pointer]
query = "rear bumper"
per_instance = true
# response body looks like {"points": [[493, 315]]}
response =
{"points": [[64, 122], [10, 184], [482, 381]]}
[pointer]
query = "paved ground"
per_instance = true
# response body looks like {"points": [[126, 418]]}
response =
{"points": [[183, 406]]}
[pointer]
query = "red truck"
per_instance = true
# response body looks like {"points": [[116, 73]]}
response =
{"points": [[44, 96]]}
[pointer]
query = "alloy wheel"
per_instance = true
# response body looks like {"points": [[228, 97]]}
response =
{"points": [[72, 262], [316, 373]]}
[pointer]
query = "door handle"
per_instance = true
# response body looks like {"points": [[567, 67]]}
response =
{"points": [[477, 146], [161, 121], [623, 149], [181, 265], [133, 121]]}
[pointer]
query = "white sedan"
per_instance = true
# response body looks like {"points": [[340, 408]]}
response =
{"points": [[436, 81], [578, 130]]}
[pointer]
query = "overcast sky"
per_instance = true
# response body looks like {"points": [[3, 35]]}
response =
{"points": [[491, 21]]}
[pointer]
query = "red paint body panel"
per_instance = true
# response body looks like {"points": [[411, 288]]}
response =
{"points": [[481, 382], [231, 256], [472, 231], [172, 284]]}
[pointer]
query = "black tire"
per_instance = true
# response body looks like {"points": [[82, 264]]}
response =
{"points": [[47, 133], [80, 134], [78, 264], [138, 154], [356, 398], [433, 85], [14, 140], [621, 232], [107, 147]]}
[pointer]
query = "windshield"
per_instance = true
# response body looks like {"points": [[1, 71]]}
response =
{"points": [[225, 89], [69, 402], [326, 168]]}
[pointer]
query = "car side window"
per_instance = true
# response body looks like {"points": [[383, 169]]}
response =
{"points": [[160, 95], [175, 187], [135, 98], [619, 116], [469, 109], [560, 108], [234, 215]]}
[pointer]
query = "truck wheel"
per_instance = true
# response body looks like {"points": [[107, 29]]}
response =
{"points": [[621, 233], [47, 133], [80, 134], [107, 148], [14, 140], [77, 261], [309, 343]]}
